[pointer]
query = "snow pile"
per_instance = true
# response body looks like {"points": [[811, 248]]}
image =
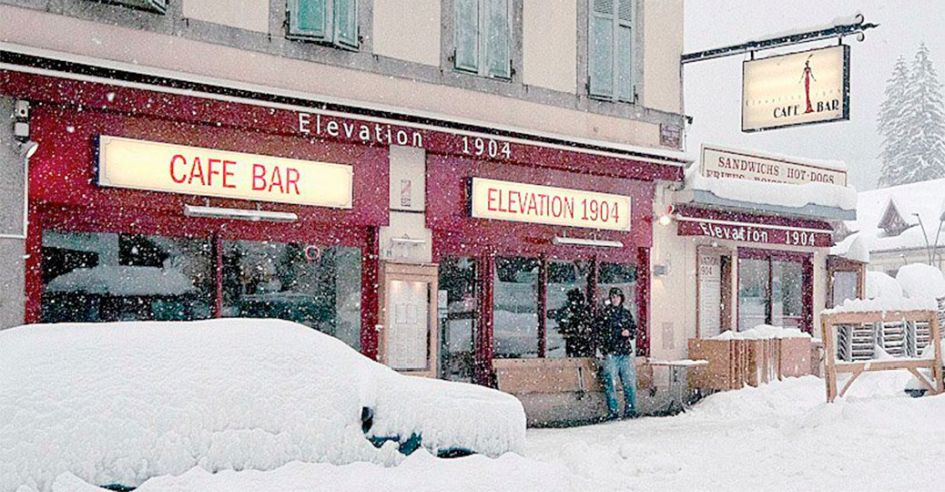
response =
{"points": [[118, 403], [884, 305], [762, 332], [780, 194], [123, 281], [853, 248], [920, 280], [879, 285]]}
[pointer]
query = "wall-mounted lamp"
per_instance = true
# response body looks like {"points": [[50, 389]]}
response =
{"points": [[239, 214], [666, 218]]}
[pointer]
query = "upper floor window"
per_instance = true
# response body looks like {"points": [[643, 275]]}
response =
{"points": [[482, 32], [330, 21], [158, 6], [610, 50]]}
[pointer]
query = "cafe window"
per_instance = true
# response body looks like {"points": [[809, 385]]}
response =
{"points": [[568, 324], [459, 324], [622, 276], [317, 287], [329, 21], [90, 277], [515, 307], [771, 290]]}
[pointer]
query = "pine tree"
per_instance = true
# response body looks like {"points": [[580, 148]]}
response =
{"points": [[925, 121], [892, 125]]}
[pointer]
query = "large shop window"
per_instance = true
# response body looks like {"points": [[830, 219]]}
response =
{"points": [[560, 289], [515, 307], [771, 291], [459, 325], [284, 280], [119, 277]]}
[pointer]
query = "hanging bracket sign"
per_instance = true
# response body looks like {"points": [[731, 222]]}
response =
{"points": [[796, 89]]}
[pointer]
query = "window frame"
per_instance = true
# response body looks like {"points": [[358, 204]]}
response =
{"points": [[483, 60], [805, 260], [634, 25], [329, 33]]}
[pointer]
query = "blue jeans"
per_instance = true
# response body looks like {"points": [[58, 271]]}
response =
{"points": [[621, 366]]}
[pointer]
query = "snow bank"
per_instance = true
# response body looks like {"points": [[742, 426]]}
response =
{"points": [[883, 305], [762, 332], [880, 285], [853, 248], [781, 194], [118, 403], [920, 280], [123, 281]]}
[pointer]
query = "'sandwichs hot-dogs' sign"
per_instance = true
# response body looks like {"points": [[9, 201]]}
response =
{"points": [[522, 202], [155, 166]]}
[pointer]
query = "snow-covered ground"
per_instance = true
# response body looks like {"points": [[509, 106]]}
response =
{"points": [[781, 436]]}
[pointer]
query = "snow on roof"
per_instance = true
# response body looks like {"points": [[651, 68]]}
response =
{"points": [[123, 281], [925, 198], [853, 248], [779, 194]]}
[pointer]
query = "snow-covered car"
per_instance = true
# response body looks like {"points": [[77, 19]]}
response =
{"points": [[118, 403]]}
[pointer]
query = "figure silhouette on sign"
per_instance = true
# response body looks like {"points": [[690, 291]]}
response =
{"points": [[806, 77]]}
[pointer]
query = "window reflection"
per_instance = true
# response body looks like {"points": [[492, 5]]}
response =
{"points": [[93, 277], [568, 323], [459, 324], [320, 288], [515, 307]]}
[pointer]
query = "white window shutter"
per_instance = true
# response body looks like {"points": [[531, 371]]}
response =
{"points": [[601, 49], [497, 39], [345, 20], [308, 18], [624, 51], [466, 35]]}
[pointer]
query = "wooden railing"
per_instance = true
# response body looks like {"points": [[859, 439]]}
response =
{"points": [[830, 321]]}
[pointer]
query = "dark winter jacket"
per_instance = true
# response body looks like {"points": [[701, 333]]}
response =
{"points": [[613, 320], [574, 324]]}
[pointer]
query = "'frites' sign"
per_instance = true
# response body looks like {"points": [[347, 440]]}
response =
{"points": [[799, 88], [521, 202], [154, 166], [735, 164]]}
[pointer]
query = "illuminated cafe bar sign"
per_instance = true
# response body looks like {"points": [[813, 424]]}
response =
{"points": [[754, 233], [521, 202], [154, 166], [796, 89], [723, 163]]}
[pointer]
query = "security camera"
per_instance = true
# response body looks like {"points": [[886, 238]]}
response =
{"points": [[28, 148], [22, 110]]}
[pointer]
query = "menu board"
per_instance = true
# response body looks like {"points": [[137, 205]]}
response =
{"points": [[710, 295]]}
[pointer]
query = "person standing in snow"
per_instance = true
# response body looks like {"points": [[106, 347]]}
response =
{"points": [[617, 342]]}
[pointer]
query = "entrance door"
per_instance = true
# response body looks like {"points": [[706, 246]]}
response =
{"points": [[408, 316], [458, 304]]}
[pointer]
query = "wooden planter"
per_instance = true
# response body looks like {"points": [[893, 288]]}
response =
{"points": [[736, 363]]}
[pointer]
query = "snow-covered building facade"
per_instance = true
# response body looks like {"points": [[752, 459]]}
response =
{"points": [[423, 179], [745, 241], [899, 225]]}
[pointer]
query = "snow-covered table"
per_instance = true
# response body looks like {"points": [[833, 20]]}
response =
{"points": [[678, 385]]}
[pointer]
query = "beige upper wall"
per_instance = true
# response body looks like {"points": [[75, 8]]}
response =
{"points": [[549, 44], [408, 30], [663, 46], [103, 41], [252, 15]]}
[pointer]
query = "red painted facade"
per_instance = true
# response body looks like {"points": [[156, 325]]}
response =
{"points": [[68, 115]]}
